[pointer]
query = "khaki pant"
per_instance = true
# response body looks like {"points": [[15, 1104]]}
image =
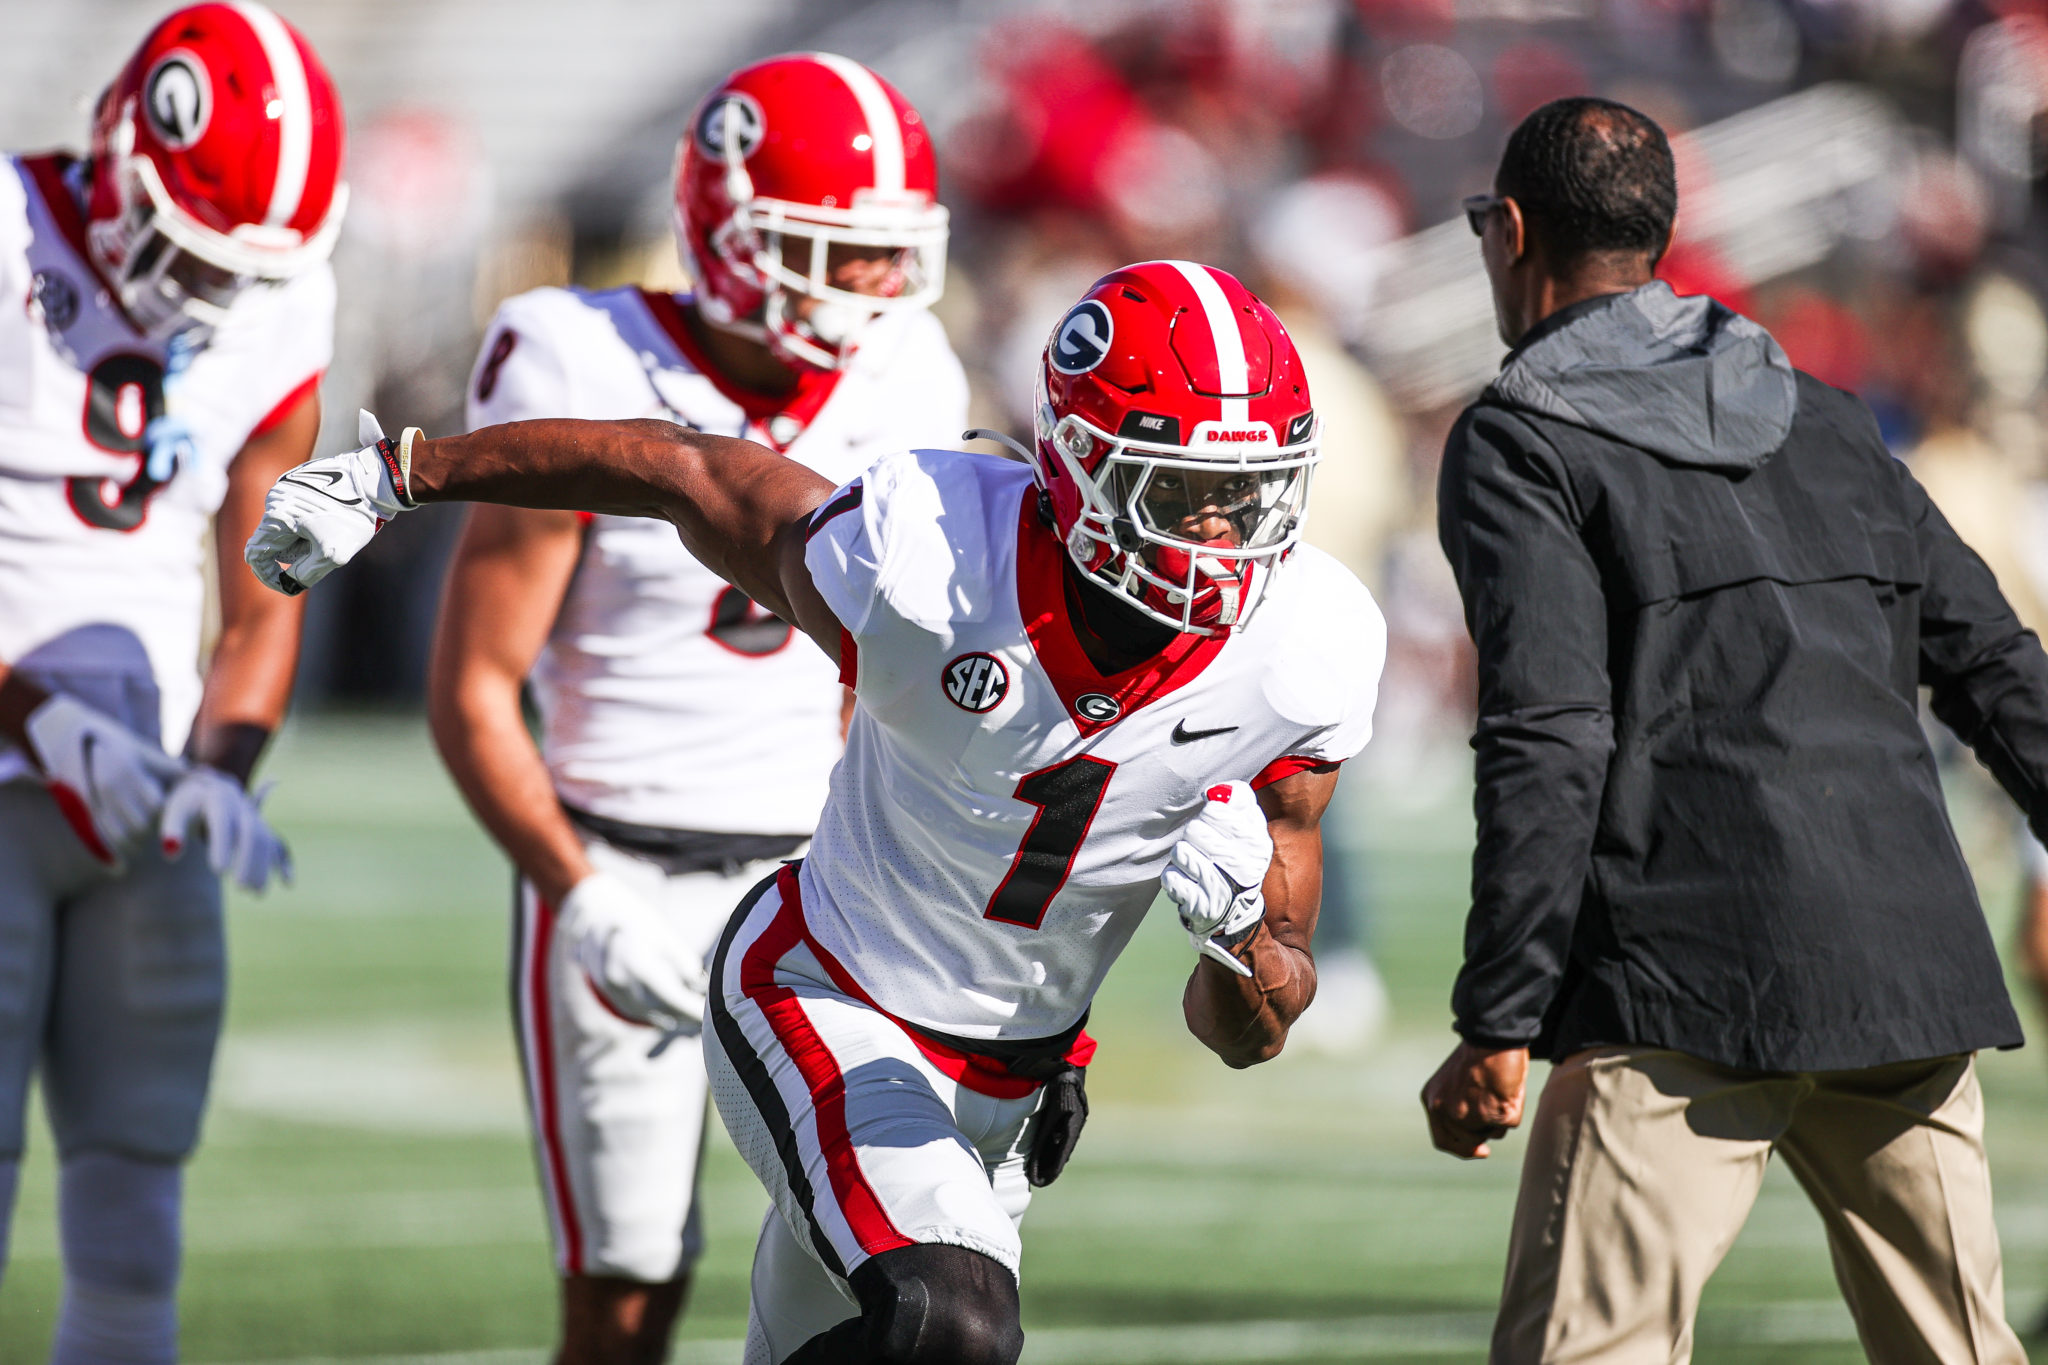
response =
{"points": [[1643, 1164]]}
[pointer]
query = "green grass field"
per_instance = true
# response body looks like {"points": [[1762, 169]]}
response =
{"points": [[364, 1191]]}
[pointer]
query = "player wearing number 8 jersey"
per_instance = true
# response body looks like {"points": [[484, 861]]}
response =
{"points": [[686, 737], [1112, 669], [165, 313]]}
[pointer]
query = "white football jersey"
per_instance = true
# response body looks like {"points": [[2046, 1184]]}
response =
{"points": [[102, 584], [998, 825], [667, 697]]}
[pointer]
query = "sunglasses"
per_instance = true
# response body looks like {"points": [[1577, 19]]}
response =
{"points": [[1477, 209]]}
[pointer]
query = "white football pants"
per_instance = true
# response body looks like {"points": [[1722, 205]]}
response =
{"points": [[618, 1135], [864, 1142]]}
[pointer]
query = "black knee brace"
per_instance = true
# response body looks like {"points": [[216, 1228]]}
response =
{"points": [[926, 1305]]}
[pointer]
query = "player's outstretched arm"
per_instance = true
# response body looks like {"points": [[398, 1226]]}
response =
{"points": [[740, 508], [1244, 1018]]}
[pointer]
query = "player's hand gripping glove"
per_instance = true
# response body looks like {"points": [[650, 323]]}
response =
{"points": [[1215, 872], [107, 780], [319, 515], [633, 959], [239, 842]]}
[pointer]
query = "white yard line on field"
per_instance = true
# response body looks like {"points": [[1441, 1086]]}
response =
{"points": [[1802, 1323]]}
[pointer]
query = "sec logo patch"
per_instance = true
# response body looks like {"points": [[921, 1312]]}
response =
{"points": [[975, 682]]}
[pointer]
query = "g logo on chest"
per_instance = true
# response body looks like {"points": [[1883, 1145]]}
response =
{"points": [[975, 682], [1098, 707]]}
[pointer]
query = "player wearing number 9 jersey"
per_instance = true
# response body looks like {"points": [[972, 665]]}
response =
{"points": [[1114, 668], [166, 311], [686, 737]]}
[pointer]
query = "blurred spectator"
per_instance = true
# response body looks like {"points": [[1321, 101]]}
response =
{"points": [[1314, 249]]}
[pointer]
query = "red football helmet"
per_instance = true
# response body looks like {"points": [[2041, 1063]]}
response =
{"points": [[216, 163], [785, 160], [1176, 441]]}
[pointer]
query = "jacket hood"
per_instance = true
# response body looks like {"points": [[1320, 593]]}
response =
{"points": [[1686, 379]]}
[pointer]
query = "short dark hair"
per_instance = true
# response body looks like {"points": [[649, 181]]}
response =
{"points": [[1591, 176]]}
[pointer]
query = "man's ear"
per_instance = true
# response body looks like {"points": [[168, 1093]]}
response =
{"points": [[1514, 237], [1665, 249]]}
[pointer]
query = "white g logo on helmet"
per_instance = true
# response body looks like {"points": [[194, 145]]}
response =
{"points": [[178, 100], [735, 114], [1081, 341]]}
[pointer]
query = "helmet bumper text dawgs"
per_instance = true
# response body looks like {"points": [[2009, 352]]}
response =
{"points": [[216, 164], [787, 159], [1176, 441]]}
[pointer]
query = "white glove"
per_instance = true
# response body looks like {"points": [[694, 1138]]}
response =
{"points": [[633, 958], [319, 515], [238, 839], [107, 780], [1215, 872]]}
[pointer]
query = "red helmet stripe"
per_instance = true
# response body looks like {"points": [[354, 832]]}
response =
{"points": [[295, 119], [880, 113], [1233, 375]]}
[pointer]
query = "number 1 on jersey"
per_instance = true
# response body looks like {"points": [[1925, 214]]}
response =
{"points": [[1067, 796]]}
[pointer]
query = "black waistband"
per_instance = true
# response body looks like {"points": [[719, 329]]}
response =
{"points": [[682, 851], [1032, 1059]]}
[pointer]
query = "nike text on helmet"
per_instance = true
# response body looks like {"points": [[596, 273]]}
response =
{"points": [[786, 160], [216, 164], [1175, 441]]}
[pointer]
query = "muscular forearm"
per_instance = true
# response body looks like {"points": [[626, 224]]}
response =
{"points": [[729, 499], [1244, 1020], [248, 686], [483, 740]]}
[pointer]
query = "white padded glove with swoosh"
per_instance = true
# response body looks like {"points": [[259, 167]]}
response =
{"points": [[107, 780], [319, 515], [1215, 872], [239, 841], [633, 958]]}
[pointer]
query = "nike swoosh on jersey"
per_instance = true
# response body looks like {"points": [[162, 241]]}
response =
{"points": [[329, 473], [1183, 735]]}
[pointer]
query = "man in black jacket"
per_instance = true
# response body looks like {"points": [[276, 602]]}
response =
{"points": [[1715, 882]]}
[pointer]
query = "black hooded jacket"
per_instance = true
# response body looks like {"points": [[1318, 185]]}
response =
{"points": [[1704, 596]]}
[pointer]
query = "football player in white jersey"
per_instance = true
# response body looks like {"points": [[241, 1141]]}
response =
{"points": [[686, 741], [166, 311], [1113, 669]]}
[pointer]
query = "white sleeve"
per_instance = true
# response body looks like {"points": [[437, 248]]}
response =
{"points": [[902, 545], [519, 373], [267, 355], [1332, 690], [288, 349], [844, 557]]}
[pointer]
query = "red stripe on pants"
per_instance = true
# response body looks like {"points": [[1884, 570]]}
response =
{"points": [[539, 1007], [857, 1200]]}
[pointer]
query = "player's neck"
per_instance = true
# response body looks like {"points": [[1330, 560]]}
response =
{"points": [[1114, 634], [738, 359]]}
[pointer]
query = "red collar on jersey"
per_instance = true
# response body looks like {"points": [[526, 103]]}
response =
{"points": [[1042, 600], [813, 387], [48, 171]]}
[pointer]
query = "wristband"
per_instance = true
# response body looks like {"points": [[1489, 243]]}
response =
{"points": [[397, 457], [1233, 942]]}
